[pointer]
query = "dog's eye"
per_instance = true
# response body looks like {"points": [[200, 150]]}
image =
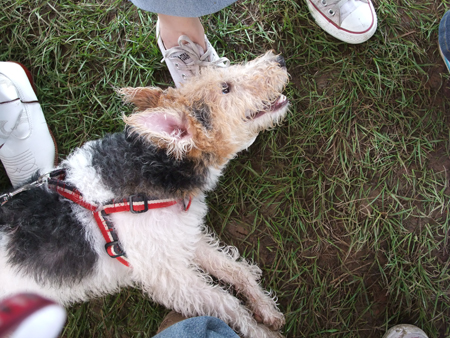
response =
{"points": [[226, 88]]}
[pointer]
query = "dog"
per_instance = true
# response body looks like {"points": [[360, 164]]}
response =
{"points": [[128, 209]]}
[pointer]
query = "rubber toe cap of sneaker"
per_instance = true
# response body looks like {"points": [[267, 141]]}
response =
{"points": [[359, 21]]}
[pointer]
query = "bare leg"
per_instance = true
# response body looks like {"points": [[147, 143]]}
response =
{"points": [[172, 27]]}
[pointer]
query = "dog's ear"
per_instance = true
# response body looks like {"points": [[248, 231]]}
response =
{"points": [[142, 97], [165, 128]]}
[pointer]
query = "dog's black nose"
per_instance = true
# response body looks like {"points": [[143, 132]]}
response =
{"points": [[281, 61]]}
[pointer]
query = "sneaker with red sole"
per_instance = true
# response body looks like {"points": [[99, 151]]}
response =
{"points": [[26, 144]]}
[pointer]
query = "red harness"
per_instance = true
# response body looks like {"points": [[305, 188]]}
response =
{"points": [[136, 204]]}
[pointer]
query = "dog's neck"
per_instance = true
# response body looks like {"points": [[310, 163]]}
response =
{"points": [[127, 165]]}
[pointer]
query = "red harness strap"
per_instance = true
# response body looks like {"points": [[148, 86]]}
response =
{"points": [[136, 204]]}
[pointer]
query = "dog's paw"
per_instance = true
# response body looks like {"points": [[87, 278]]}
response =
{"points": [[268, 333], [274, 334], [269, 316]]}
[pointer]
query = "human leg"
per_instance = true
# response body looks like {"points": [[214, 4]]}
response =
{"points": [[172, 27], [187, 58], [181, 36]]}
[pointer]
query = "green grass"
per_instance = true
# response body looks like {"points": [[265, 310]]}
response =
{"points": [[345, 206]]}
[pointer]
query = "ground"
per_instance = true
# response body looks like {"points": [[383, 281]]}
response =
{"points": [[344, 206]]}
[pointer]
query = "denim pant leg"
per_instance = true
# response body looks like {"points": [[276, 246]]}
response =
{"points": [[444, 35], [198, 327]]}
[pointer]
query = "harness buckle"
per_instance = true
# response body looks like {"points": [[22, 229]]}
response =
{"points": [[35, 184], [130, 202], [116, 246], [4, 198]]}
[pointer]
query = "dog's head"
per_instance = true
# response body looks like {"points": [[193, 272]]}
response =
{"points": [[215, 114]]}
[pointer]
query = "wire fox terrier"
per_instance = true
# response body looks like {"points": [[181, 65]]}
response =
{"points": [[128, 209]]}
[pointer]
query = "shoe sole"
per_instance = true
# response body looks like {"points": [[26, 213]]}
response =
{"points": [[340, 33]]}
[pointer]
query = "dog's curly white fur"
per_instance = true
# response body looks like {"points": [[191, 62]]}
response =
{"points": [[175, 146]]}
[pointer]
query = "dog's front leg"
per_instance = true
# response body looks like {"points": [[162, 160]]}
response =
{"points": [[191, 293], [223, 263]]}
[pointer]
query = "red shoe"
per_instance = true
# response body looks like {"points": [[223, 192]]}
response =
{"points": [[28, 315]]}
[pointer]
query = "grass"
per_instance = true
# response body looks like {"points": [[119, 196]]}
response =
{"points": [[345, 207]]}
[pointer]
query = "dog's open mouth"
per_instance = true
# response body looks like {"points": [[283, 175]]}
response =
{"points": [[274, 106]]}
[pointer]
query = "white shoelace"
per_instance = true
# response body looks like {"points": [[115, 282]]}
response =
{"points": [[188, 47]]}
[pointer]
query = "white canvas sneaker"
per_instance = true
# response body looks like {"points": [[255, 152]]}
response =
{"points": [[405, 331], [351, 21], [188, 58], [26, 144]]}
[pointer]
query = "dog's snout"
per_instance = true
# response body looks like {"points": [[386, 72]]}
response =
{"points": [[281, 61]]}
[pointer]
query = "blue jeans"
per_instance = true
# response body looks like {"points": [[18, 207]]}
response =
{"points": [[444, 35], [198, 327]]}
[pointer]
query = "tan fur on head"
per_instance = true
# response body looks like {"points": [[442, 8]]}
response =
{"points": [[213, 115], [175, 137], [141, 97]]}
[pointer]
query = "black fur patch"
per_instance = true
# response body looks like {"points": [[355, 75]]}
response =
{"points": [[46, 240], [129, 166], [202, 113]]}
